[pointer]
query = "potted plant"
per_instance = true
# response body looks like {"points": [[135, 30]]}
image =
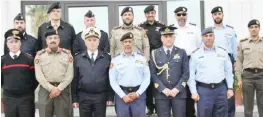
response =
{"points": [[238, 93]]}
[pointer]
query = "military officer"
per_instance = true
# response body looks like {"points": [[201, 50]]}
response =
{"points": [[129, 78], [79, 45], [141, 42], [170, 72], [211, 77], [225, 37], [151, 26], [90, 86], [65, 30], [250, 65], [54, 72], [188, 37], [28, 43]]}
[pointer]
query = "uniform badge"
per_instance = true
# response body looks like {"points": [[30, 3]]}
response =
{"points": [[184, 9], [70, 59], [220, 55], [177, 56], [145, 36], [157, 28], [36, 61], [156, 85], [140, 62], [219, 9], [183, 84], [111, 65], [228, 35], [257, 22]]}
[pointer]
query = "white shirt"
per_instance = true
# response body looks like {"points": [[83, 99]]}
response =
{"points": [[188, 37], [13, 54], [165, 49], [95, 54]]}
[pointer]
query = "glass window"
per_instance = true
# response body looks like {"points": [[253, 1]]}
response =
{"points": [[138, 11], [76, 17]]}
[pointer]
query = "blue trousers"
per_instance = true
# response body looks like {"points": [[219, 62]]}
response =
{"points": [[213, 102], [135, 109], [164, 107]]}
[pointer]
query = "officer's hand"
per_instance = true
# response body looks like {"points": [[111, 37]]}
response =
{"points": [[234, 66], [108, 103], [127, 99], [75, 105], [54, 92], [174, 92], [166, 92], [195, 97], [230, 93], [133, 95], [240, 83]]}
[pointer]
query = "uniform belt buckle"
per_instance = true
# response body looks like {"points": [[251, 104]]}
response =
{"points": [[213, 86], [130, 89]]}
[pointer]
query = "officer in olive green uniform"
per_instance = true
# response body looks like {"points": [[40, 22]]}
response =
{"points": [[250, 64], [54, 72], [140, 37]]}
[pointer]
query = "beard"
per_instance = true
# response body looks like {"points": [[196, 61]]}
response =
{"points": [[218, 22], [126, 23]]}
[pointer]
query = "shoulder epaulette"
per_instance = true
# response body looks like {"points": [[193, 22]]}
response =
{"points": [[117, 27], [65, 51], [28, 55], [140, 53], [242, 40], [139, 28], [192, 24], [221, 48], [230, 26], [161, 23], [40, 52], [171, 25], [116, 55], [140, 24], [195, 50]]}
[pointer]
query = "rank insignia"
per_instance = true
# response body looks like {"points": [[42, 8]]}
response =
{"points": [[36, 61], [177, 56], [220, 55], [111, 65], [140, 62], [145, 36], [183, 84], [157, 28], [70, 59], [156, 85]]}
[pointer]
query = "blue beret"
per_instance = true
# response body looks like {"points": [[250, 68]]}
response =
{"points": [[207, 30]]}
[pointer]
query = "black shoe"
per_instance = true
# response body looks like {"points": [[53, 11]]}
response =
{"points": [[150, 112]]}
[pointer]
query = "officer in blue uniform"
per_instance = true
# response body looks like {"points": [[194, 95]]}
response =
{"points": [[225, 37], [170, 71], [129, 78], [90, 86], [211, 77]]}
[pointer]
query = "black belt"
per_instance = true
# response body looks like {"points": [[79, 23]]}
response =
{"points": [[55, 83], [254, 70], [130, 89], [211, 85]]}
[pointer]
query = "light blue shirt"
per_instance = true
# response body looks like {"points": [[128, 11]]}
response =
{"points": [[129, 71], [227, 38], [210, 66]]}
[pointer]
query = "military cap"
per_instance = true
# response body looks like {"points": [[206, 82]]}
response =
{"points": [[217, 9], [13, 33], [91, 32], [55, 5], [149, 8], [19, 17], [127, 9], [89, 14], [253, 22], [207, 30], [127, 35], [184, 9], [166, 30], [52, 32]]}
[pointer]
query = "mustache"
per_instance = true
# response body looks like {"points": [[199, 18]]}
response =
{"points": [[52, 42]]}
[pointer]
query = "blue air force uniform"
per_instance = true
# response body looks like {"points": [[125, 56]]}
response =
{"points": [[169, 72]]}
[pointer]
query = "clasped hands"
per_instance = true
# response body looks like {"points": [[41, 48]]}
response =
{"points": [[167, 92], [130, 97]]}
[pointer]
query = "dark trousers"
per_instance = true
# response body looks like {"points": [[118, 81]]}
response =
{"points": [[164, 107], [92, 105], [231, 101], [190, 103], [149, 97], [19, 106]]}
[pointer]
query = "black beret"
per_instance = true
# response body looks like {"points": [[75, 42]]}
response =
{"points": [[55, 5], [128, 35], [89, 14], [253, 22], [217, 9], [52, 32], [207, 30], [184, 9], [167, 30], [13, 33], [126, 9], [19, 17], [149, 8]]}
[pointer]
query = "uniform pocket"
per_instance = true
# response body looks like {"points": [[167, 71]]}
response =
{"points": [[63, 65], [45, 66]]}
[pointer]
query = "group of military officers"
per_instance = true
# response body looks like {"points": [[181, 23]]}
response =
{"points": [[178, 65]]}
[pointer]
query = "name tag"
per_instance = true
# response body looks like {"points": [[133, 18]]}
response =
{"points": [[139, 62]]}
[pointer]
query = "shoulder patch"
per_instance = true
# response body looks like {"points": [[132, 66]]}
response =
{"points": [[192, 24], [195, 50], [221, 48], [117, 27], [242, 40], [65, 51], [230, 26]]}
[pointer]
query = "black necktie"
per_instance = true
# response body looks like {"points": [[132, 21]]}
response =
{"points": [[15, 56], [92, 59], [168, 53]]}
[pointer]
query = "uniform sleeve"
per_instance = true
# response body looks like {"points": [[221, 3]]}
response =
{"points": [[110, 92], [113, 80], [146, 78], [228, 71], [185, 75], [155, 79], [68, 76], [73, 36], [191, 82], [106, 43], [76, 45], [33, 75], [75, 83], [234, 45], [2, 75], [40, 76], [112, 43], [145, 45], [239, 61]]}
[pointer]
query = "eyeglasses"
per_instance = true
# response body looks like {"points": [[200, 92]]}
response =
{"points": [[181, 14]]}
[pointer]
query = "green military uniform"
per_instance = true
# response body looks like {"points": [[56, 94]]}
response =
{"points": [[54, 69], [250, 64]]}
